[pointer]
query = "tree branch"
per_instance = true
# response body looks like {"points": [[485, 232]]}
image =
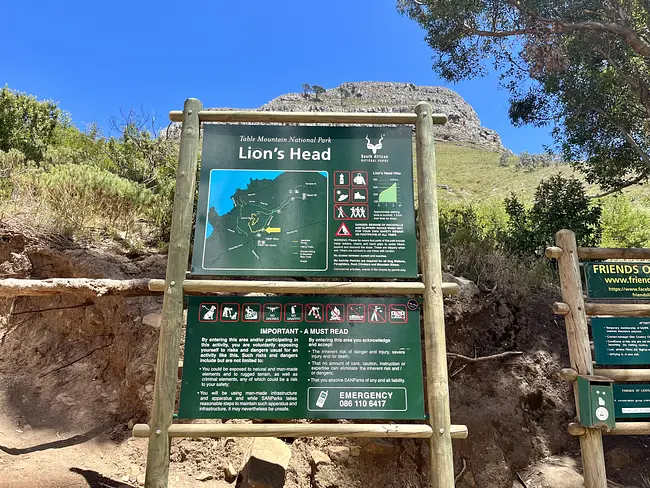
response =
{"points": [[481, 359], [557, 26], [627, 184], [462, 472], [58, 368], [628, 137], [636, 83], [22, 312]]}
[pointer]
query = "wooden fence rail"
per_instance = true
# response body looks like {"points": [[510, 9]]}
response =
{"points": [[422, 431]]}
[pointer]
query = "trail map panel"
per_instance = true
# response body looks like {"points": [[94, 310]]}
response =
{"points": [[310, 201], [619, 340], [618, 280], [302, 357]]}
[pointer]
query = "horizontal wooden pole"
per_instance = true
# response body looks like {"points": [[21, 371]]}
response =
{"points": [[602, 253], [624, 374], [301, 430], [561, 308], [622, 428], [613, 253], [306, 117], [13, 287], [575, 429], [307, 287], [629, 428], [613, 309], [618, 309], [554, 252], [568, 374]]}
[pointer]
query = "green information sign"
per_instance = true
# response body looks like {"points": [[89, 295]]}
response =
{"points": [[631, 401], [618, 280], [621, 340], [311, 201], [302, 357]]}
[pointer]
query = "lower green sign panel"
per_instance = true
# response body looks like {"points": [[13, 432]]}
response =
{"points": [[302, 357], [621, 340], [631, 401]]}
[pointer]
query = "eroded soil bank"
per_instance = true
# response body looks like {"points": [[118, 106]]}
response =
{"points": [[74, 371]]}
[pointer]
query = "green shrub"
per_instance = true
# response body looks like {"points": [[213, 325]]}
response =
{"points": [[472, 245], [625, 223], [13, 164], [82, 197], [560, 203], [27, 124]]}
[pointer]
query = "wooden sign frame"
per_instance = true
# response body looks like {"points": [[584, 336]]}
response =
{"points": [[575, 312], [439, 430]]}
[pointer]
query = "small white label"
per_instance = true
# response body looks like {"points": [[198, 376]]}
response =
{"points": [[636, 410]]}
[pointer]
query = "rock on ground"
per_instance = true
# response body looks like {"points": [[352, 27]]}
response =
{"points": [[267, 463]]}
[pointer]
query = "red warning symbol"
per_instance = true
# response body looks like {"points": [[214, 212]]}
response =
{"points": [[343, 231]]}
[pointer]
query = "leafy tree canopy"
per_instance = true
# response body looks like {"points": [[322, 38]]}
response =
{"points": [[27, 124], [581, 65], [318, 91], [560, 203]]}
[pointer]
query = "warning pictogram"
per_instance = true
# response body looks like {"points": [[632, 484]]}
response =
{"points": [[343, 231]]}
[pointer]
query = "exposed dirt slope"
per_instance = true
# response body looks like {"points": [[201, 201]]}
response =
{"points": [[74, 372]]}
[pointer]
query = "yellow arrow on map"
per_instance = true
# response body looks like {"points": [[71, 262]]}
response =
{"points": [[272, 230]]}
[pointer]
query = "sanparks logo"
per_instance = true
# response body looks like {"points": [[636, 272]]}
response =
{"points": [[375, 157]]}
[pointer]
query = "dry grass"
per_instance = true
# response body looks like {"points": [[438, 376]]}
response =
{"points": [[474, 175]]}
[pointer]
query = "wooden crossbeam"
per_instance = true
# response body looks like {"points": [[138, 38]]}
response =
{"points": [[627, 374], [622, 428], [13, 287], [423, 431], [602, 253], [613, 309], [306, 117], [305, 287]]}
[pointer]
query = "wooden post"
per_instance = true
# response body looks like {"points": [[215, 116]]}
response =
{"points": [[591, 443], [442, 460], [172, 314]]}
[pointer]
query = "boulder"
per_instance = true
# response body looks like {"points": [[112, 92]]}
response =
{"points": [[380, 447], [152, 320], [266, 464], [318, 457], [339, 454], [203, 476], [230, 473]]}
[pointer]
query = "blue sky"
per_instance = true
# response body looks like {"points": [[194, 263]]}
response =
{"points": [[97, 58]]}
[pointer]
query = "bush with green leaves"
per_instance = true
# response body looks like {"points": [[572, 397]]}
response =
{"points": [[560, 203], [472, 245], [27, 124], [625, 223], [83, 197]]}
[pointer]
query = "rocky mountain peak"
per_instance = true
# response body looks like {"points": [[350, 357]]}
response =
{"points": [[463, 127]]}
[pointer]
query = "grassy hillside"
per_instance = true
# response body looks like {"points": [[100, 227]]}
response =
{"points": [[474, 175]]}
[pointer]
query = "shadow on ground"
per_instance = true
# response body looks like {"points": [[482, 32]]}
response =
{"points": [[96, 480]]}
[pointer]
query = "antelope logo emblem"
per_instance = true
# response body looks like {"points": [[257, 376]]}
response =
{"points": [[374, 147]]}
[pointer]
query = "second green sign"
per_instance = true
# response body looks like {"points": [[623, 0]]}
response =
{"points": [[302, 357]]}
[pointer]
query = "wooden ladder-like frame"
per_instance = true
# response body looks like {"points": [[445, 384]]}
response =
{"points": [[575, 312], [439, 431]]}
